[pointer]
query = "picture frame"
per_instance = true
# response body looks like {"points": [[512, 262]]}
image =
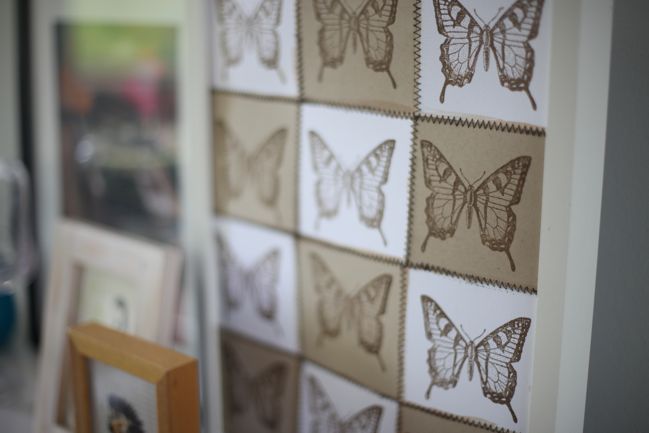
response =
{"points": [[173, 376], [86, 260]]}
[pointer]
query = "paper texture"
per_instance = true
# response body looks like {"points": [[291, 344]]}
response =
{"points": [[254, 49], [260, 387], [255, 151], [484, 95], [257, 282], [327, 401], [345, 156], [350, 315], [474, 311], [348, 63], [470, 156]]}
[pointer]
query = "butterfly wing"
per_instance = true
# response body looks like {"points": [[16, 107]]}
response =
{"points": [[332, 299], [265, 165], [493, 201], [329, 187], [448, 193], [449, 350], [510, 44], [266, 20], [233, 277], [232, 23], [267, 390], [236, 380], [367, 180], [494, 356], [231, 163], [263, 279], [323, 414], [370, 302], [375, 37], [334, 33], [460, 50], [365, 421]]}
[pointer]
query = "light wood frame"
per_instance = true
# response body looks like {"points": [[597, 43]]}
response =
{"points": [[153, 269], [174, 375]]}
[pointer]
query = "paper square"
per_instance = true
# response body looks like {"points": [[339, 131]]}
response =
{"points": [[355, 141], [241, 31], [255, 265], [484, 95], [416, 420], [346, 400], [475, 311]]}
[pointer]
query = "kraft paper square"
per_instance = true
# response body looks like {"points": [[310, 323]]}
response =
{"points": [[257, 282], [254, 46], [499, 31], [414, 420], [350, 315], [328, 402], [351, 54], [260, 387], [485, 167], [468, 349], [255, 159]]}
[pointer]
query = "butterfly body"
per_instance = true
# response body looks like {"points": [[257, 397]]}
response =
{"points": [[492, 356]]}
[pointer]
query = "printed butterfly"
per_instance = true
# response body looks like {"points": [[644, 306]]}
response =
{"points": [[361, 310], [262, 167], [491, 200], [264, 391], [239, 31], [508, 40], [363, 184], [326, 419], [260, 282], [368, 21], [493, 356]]}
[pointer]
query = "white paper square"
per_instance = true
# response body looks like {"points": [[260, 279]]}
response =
{"points": [[475, 309], [351, 136], [347, 399], [484, 95], [249, 244], [249, 74]]}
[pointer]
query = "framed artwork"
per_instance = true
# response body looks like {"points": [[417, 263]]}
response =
{"points": [[123, 384], [118, 281]]}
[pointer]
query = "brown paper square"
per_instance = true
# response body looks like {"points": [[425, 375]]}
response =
{"points": [[338, 346], [415, 420], [346, 78], [252, 379], [255, 159], [471, 153]]}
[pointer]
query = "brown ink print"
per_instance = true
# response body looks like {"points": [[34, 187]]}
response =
{"points": [[491, 200], [263, 391], [326, 419], [366, 24], [240, 31], [492, 356], [508, 40], [362, 311], [362, 184]]}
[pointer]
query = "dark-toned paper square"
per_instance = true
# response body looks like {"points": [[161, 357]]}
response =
{"points": [[359, 52], [415, 420], [350, 315], [255, 159], [476, 207], [259, 385]]}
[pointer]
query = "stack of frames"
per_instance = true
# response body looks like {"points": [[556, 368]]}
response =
{"points": [[378, 168]]}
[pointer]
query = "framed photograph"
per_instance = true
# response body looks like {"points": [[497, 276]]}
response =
{"points": [[123, 384], [118, 281]]}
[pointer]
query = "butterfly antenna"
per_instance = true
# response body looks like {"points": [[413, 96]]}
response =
{"points": [[479, 179], [385, 242], [509, 406], [423, 246], [394, 83], [532, 101], [465, 178], [430, 388], [500, 9], [478, 16], [511, 260]]}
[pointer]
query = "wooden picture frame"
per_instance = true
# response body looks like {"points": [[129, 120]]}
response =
{"points": [[174, 375], [152, 269]]}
